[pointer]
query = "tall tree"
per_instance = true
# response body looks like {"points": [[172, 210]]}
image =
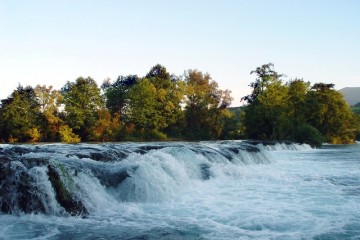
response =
{"points": [[19, 115], [82, 99], [116, 96], [297, 109], [143, 106], [206, 105], [330, 114], [49, 102], [169, 95], [106, 127], [265, 115], [218, 111], [266, 75]]}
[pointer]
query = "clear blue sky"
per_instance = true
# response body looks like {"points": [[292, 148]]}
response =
{"points": [[52, 41]]}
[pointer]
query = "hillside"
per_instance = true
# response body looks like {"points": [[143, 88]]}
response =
{"points": [[351, 95], [356, 109]]}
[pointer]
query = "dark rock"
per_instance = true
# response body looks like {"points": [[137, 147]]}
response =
{"points": [[250, 148], [63, 196], [18, 193], [209, 153], [234, 150], [120, 155], [35, 162], [205, 171], [98, 156], [113, 179], [17, 150], [28, 201], [147, 148], [4, 158], [225, 154], [79, 155]]}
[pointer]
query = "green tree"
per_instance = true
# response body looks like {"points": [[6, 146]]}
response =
{"points": [[266, 75], [107, 126], [82, 100], [67, 135], [265, 115], [330, 114], [19, 114], [169, 96], [297, 108], [233, 126], [116, 96], [218, 111], [206, 106], [143, 106], [49, 102]]}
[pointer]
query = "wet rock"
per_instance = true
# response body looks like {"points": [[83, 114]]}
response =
{"points": [[205, 171], [17, 150], [234, 150], [151, 147], [79, 155], [109, 156], [225, 154], [63, 196], [147, 148], [4, 158], [29, 201], [18, 193], [97, 156], [120, 155], [35, 161], [250, 148], [211, 153], [113, 179]]}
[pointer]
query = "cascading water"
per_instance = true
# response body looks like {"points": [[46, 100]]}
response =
{"points": [[206, 190], [80, 179]]}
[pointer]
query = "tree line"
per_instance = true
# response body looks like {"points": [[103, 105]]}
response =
{"points": [[157, 106], [297, 111], [162, 106]]}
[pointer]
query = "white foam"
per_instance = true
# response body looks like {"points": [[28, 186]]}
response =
{"points": [[285, 147], [301, 195]]}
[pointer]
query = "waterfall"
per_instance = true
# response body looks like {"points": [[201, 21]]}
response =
{"points": [[80, 179]]}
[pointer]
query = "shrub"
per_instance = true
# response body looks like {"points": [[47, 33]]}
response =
{"points": [[34, 134], [66, 135], [305, 133]]}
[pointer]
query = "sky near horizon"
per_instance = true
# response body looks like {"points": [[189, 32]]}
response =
{"points": [[50, 42]]}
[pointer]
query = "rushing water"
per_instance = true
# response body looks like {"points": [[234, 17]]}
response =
{"points": [[227, 190]]}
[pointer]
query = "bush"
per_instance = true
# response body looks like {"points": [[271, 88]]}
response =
{"points": [[157, 135], [309, 135], [34, 135], [66, 135], [145, 135]]}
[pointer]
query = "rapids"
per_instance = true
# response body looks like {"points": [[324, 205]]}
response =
{"points": [[206, 190]]}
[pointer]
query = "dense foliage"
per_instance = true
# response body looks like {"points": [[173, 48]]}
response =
{"points": [[157, 106], [161, 106], [297, 111]]}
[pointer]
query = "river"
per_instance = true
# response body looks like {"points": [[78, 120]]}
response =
{"points": [[206, 190]]}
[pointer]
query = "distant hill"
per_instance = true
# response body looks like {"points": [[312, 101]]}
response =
{"points": [[351, 95], [356, 110]]}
